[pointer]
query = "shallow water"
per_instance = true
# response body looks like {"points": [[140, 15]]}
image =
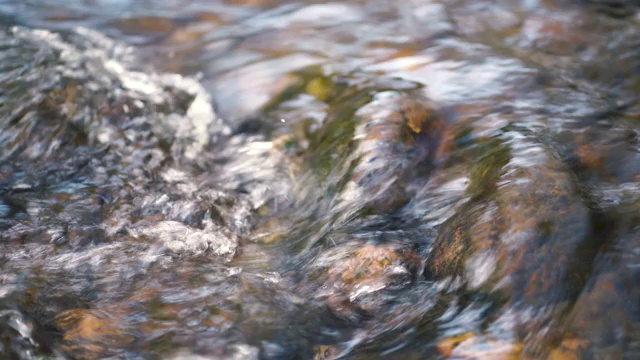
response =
{"points": [[319, 180]]}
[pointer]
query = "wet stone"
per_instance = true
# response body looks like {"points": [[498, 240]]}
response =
{"points": [[603, 151], [398, 136], [90, 334], [374, 143], [604, 322], [508, 240], [354, 276], [486, 349]]}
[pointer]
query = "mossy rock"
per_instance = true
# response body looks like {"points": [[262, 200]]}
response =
{"points": [[378, 135]]}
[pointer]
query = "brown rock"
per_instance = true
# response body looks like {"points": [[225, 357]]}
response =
{"points": [[89, 334], [447, 345], [350, 276], [480, 348], [604, 322], [522, 236], [146, 25], [398, 136]]}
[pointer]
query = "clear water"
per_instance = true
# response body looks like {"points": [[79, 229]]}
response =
{"points": [[319, 180]]}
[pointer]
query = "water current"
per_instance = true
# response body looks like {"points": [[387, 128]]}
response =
{"points": [[358, 179]]}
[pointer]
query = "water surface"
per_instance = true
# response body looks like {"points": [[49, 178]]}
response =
{"points": [[319, 180]]}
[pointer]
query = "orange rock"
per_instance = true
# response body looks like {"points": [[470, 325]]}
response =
{"points": [[482, 348], [447, 345], [590, 157], [325, 352], [568, 350], [367, 264], [90, 334], [350, 276]]}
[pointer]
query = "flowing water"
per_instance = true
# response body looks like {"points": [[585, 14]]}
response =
{"points": [[280, 179]]}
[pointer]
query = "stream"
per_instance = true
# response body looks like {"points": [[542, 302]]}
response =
{"points": [[287, 179]]}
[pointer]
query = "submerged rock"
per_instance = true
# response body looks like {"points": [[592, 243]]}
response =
{"points": [[90, 334], [356, 278], [374, 139], [604, 321], [397, 136], [523, 239]]}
